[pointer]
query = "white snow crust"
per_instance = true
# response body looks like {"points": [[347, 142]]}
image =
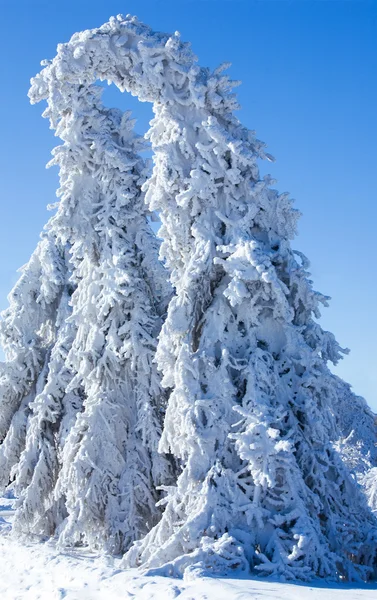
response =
{"points": [[38, 571]]}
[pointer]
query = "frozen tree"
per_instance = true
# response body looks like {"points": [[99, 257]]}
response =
{"points": [[51, 415], [28, 333], [89, 465], [357, 428], [111, 466], [369, 482], [357, 437], [250, 415]]}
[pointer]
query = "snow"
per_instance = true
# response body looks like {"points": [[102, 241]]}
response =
{"points": [[38, 571]]}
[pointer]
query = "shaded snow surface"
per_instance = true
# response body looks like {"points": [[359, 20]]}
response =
{"points": [[37, 571]]}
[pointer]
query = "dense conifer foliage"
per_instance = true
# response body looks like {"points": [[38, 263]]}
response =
{"points": [[82, 443], [266, 445]]}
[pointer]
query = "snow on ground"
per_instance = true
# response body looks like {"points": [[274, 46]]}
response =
{"points": [[36, 571]]}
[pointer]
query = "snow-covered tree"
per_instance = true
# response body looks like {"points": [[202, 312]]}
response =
{"points": [[111, 466], [369, 482], [357, 429], [28, 333], [89, 465], [356, 439], [250, 415], [51, 414]]}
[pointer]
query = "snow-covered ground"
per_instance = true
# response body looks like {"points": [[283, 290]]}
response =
{"points": [[36, 571]]}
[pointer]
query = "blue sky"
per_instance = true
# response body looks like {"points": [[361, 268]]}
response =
{"points": [[310, 91]]}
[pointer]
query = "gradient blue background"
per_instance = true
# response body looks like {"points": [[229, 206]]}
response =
{"points": [[310, 91]]}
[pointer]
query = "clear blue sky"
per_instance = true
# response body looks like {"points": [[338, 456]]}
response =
{"points": [[309, 72]]}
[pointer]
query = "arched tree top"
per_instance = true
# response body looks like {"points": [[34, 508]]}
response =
{"points": [[155, 67], [161, 69]]}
